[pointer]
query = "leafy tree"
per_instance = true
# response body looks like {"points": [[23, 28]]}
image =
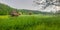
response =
{"points": [[43, 4]]}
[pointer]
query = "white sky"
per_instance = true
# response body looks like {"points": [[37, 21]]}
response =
{"points": [[20, 4]]}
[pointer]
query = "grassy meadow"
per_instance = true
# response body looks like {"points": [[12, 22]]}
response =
{"points": [[30, 22]]}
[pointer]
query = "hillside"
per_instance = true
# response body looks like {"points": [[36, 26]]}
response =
{"points": [[4, 9], [33, 11], [27, 11]]}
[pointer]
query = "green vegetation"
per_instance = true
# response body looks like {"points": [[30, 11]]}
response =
{"points": [[30, 22], [5, 9]]}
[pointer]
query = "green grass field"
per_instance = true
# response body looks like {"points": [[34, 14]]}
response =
{"points": [[30, 22]]}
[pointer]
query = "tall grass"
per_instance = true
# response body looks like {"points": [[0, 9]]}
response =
{"points": [[30, 22]]}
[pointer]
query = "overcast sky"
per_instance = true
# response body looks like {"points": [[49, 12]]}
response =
{"points": [[23, 4], [20, 4]]}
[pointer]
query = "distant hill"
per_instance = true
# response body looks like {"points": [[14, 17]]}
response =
{"points": [[5, 9], [27, 11], [33, 11]]}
